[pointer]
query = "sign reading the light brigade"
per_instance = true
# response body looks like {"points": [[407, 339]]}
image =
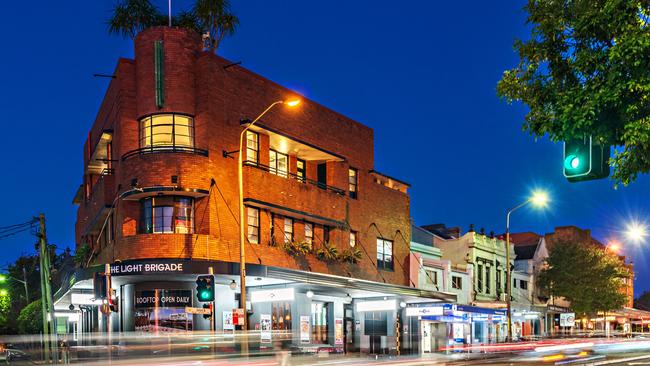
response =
{"points": [[146, 268]]}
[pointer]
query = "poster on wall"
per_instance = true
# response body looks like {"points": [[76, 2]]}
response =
{"points": [[227, 320], [458, 332], [338, 331], [304, 329], [265, 328], [162, 310]]}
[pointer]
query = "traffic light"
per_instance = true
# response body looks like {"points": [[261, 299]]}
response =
{"points": [[100, 285], [585, 160], [205, 288]]}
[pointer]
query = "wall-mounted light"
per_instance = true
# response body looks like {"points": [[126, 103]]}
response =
{"points": [[233, 285], [402, 304], [309, 294]]}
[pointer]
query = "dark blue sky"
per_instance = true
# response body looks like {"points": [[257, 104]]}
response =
{"points": [[421, 73]]}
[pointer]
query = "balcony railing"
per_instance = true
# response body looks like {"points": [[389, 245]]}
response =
{"points": [[289, 175], [164, 149]]}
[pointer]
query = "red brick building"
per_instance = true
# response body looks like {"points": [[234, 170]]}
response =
{"points": [[160, 183]]}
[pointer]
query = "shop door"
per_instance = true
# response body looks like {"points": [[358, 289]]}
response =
{"points": [[426, 337], [438, 336]]}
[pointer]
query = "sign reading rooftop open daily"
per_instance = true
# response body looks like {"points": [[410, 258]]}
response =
{"points": [[163, 298]]}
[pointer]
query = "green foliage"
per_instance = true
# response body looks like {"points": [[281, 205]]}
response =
{"points": [[643, 302], [30, 319], [132, 16], [81, 255], [212, 17], [297, 249], [215, 18], [352, 256], [586, 71], [327, 253], [586, 275]]}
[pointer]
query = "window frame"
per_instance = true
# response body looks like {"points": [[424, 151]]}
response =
{"points": [[147, 141], [382, 263], [479, 278], [431, 277], [309, 238], [523, 285], [249, 226], [301, 173], [353, 187], [454, 285], [273, 163], [287, 236], [488, 279], [148, 217], [256, 150]]}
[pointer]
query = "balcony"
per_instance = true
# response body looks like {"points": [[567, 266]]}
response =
{"points": [[164, 149], [292, 195]]}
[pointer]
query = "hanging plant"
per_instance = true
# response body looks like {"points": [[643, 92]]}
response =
{"points": [[352, 256], [327, 253], [297, 249]]}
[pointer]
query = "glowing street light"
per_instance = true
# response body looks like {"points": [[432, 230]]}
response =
{"points": [[4, 292], [636, 232], [242, 215], [538, 199]]}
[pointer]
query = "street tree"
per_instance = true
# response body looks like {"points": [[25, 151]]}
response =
{"points": [[585, 71], [586, 275]]}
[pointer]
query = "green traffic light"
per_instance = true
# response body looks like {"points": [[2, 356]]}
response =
{"points": [[572, 162], [205, 295]]}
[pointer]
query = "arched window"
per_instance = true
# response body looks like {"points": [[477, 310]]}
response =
{"points": [[167, 214]]}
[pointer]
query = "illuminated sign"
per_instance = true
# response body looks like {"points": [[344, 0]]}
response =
{"points": [[380, 305], [278, 294], [84, 299], [424, 311]]}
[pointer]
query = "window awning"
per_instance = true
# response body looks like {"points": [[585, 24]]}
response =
{"points": [[286, 211], [99, 159]]}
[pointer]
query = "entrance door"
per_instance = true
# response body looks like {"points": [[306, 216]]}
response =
{"points": [[321, 174], [426, 337]]}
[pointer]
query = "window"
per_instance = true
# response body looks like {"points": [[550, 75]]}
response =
{"points": [[288, 230], [272, 229], [514, 283], [281, 317], [431, 277], [384, 254], [319, 322], [301, 172], [488, 283], [352, 182], [353, 239], [309, 233], [457, 282], [479, 278], [167, 214], [499, 289], [252, 147], [278, 163], [326, 234], [523, 285], [253, 221], [167, 130]]}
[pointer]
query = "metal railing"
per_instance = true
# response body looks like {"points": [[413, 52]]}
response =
{"points": [[164, 149], [287, 174]]}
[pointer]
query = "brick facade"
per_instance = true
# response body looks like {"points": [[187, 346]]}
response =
{"points": [[197, 84]]}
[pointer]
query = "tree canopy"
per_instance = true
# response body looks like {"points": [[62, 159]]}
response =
{"points": [[586, 275], [585, 71], [212, 18]]}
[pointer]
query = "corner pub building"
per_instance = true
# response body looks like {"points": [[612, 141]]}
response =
{"points": [[159, 203]]}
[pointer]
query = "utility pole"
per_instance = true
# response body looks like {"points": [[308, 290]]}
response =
{"points": [[47, 305]]}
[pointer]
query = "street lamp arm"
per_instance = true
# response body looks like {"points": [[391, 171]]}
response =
{"points": [[513, 210]]}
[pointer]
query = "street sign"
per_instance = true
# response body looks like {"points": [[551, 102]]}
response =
{"points": [[567, 319], [204, 311]]}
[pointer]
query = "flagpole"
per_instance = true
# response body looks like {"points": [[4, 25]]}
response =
{"points": [[169, 6]]}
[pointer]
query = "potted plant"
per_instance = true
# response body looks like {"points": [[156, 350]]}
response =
{"points": [[297, 249], [352, 256], [327, 253]]}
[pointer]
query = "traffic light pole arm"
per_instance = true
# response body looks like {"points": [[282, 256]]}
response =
{"points": [[508, 274]]}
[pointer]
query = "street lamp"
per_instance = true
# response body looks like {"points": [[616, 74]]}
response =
{"points": [[636, 232], [242, 216], [538, 199]]}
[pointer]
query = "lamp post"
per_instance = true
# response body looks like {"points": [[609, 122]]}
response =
{"points": [[636, 232], [242, 215], [4, 278], [539, 199]]}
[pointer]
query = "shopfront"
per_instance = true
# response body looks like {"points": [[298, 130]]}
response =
{"points": [[304, 311]]}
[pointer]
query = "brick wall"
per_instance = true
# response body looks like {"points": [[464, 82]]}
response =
{"points": [[197, 84]]}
